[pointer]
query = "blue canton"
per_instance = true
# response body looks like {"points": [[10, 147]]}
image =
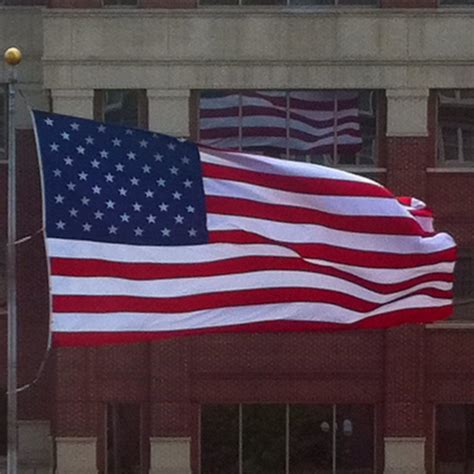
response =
{"points": [[108, 183]]}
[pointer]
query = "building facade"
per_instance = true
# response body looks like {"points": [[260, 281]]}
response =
{"points": [[396, 401]]}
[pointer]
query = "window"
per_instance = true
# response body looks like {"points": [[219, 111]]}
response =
{"points": [[119, 2], [121, 107], [3, 421], [456, 127], [3, 123], [456, 2], [123, 439], [290, 2], [327, 127], [287, 439], [464, 287], [455, 439]]}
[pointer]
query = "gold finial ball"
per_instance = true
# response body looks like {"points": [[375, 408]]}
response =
{"points": [[12, 56]]}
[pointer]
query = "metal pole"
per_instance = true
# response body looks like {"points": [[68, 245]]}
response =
{"points": [[12, 57]]}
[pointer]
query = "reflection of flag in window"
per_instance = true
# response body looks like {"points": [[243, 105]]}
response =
{"points": [[302, 122]]}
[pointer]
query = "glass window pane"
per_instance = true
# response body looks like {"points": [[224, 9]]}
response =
{"points": [[357, 2], [355, 439], [264, 439], [219, 2], [464, 277], [120, 2], [451, 144], [312, 132], [263, 2], [3, 123], [220, 439], [468, 145], [311, 439], [311, 2], [264, 122], [457, 2], [3, 421], [219, 119], [121, 107]]}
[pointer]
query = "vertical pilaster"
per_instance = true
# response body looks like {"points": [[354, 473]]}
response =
{"points": [[76, 102], [169, 111]]}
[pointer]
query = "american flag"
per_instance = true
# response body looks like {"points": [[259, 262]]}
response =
{"points": [[151, 236], [277, 122]]}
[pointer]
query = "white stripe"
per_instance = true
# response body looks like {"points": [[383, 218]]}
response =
{"points": [[316, 312], [264, 164], [64, 248], [341, 205], [316, 234], [177, 287]]}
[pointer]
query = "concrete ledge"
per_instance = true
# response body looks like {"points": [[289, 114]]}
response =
{"points": [[170, 455], [404, 455]]}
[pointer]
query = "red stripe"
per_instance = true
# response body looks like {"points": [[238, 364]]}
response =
{"points": [[380, 225], [224, 299], [155, 271], [395, 318], [335, 254], [296, 184]]}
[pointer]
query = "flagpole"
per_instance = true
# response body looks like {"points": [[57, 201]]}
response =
{"points": [[12, 57]]}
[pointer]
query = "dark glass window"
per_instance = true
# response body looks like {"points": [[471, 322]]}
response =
{"points": [[290, 2], [119, 2], [121, 107], [457, 2], [3, 421], [123, 438], [456, 127], [287, 439], [3, 123], [327, 127], [455, 439]]}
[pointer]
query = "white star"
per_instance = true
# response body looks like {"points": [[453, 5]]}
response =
{"points": [[80, 149], [59, 199], [163, 207], [85, 200], [181, 139], [82, 176], [137, 207], [131, 155], [125, 217], [151, 219], [95, 163], [129, 131], [143, 143], [185, 160], [98, 215], [190, 209], [68, 160], [89, 140], [172, 146], [54, 147], [113, 229], [149, 193], [122, 192], [192, 232], [57, 173], [177, 195], [146, 169], [166, 232], [110, 204], [71, 186], [87, 227], [188, 183], [101, 128], [138, 232], [116, 142], [73, 212], [158, 157], [161, 182], [75, 126], [104, 154], [109, 178], [96, 189], [48, 122], [174, 170], [179, 219], [60, 225], [65, 135], [119, 167], [134, 181]]}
